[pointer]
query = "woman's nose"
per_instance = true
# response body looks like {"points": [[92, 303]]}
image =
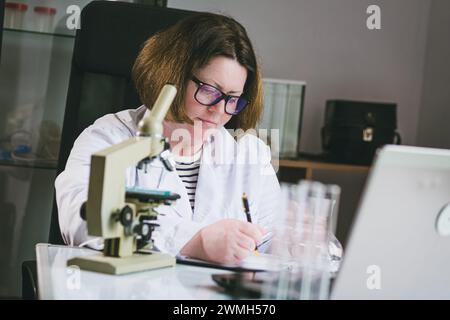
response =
{"points": [[219, 107]]}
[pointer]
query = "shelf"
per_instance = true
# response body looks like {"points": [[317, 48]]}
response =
{"points": [[46, 34], [311, 165], [303, 163], [34, 164]]}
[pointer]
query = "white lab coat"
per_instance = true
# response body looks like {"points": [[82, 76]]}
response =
{"points": [[223, 177]]}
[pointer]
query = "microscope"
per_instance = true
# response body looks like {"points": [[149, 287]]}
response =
{"points": [[125, 217]]}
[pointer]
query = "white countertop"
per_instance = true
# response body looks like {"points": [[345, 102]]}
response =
{"points": [[58, 281]]}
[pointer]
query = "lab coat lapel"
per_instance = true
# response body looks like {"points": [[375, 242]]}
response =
{"points": [[206, 192], [210, 193]]}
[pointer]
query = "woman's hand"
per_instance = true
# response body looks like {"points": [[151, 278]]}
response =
{"points": [[227, 241]]}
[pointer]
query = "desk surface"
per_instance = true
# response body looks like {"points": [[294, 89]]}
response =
{"points": [[58, 281]]}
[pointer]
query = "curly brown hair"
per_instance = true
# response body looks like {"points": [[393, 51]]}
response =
{"points": [[174, 54]]}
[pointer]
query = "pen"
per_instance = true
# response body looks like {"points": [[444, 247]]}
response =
{"points": [[247, 213], [246, 207]]}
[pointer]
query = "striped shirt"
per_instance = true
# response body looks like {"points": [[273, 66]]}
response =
{"points": [[188, 168]]}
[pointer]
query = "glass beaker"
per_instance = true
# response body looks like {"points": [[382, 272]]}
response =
{"points": [[303, 242]]}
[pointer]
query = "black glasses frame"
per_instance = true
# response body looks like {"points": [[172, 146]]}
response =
{"points": [[223, 96]]}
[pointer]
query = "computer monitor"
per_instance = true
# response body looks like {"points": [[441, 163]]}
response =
{"points": [[399, 247]]}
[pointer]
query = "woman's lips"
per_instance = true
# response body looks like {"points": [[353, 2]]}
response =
{"points": [[212, 123]]}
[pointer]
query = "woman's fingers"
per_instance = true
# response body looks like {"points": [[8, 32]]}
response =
{"points": [[251, 230], [240, 254], [245, 242], [262, 230], [230, 240]]}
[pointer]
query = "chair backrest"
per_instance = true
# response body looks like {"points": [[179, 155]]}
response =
{"points": [[2, 12], [106, 45]]}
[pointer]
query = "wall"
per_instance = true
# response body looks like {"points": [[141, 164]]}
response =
{"points": [[433, 126], [327, 44]]}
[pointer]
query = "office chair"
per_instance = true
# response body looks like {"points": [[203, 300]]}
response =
{"points": [[106, 45], [2, 13]]}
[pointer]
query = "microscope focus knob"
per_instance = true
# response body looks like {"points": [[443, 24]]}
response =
{"points": [[126, 216], [144, 230], [83, 211]]}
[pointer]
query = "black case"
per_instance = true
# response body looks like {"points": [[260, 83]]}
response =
{"points": [[354, 130]]}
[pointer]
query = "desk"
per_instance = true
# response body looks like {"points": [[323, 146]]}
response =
{"points": [[58, 281], [311, 165]]}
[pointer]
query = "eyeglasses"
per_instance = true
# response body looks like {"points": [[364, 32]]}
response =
{"points": [[209, 95]]}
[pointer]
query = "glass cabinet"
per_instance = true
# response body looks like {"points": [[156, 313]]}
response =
{"points": [[34, 75], [36, 52], [35, 64], [37, 40]]}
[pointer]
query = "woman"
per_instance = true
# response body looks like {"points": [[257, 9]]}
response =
{"points": [[211, 61]]}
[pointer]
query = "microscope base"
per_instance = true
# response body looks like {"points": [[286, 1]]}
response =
{"points": [[112, 265]]}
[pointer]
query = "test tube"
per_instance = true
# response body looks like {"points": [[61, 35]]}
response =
{"points": [[44, 18], [14, 15]]}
